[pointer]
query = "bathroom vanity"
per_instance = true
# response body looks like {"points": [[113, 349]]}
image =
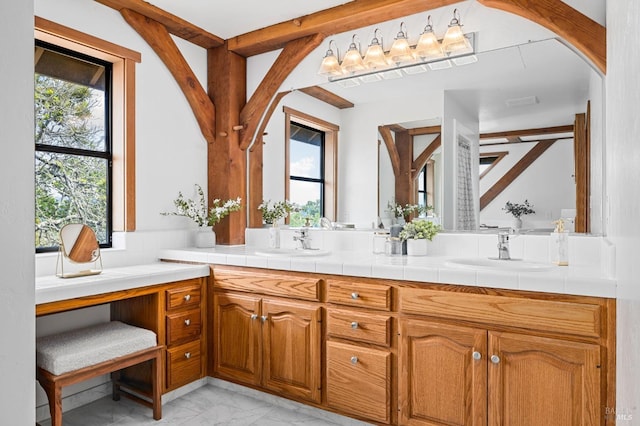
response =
{"points": [[401, 350]]}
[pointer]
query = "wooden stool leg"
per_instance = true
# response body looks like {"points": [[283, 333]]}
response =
{"points": [[115, 385], [156, 372]]}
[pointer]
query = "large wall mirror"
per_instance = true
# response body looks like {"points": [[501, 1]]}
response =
{"points": [[526, 87]]}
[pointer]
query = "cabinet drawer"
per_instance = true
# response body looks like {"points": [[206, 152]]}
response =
{"points": [[184, 296], [579, 318], [358, 381], [374, 296], [183, 326], [271, 284], [368, 328], [184, 364]]}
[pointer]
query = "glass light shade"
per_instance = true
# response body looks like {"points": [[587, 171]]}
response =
{"points": [[375, 58], [400, 50], [454, 40], [330, 65], [352, 61], [428, 46]]}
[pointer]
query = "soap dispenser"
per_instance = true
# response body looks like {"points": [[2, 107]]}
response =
{"points": [[560, 244]]}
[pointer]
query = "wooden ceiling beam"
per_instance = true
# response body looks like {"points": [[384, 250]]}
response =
{"points": [[509, 134], [157, 36], [429, 130], [251, 114], [346, 17], [326, 96], [585, 34], [175, 25]]}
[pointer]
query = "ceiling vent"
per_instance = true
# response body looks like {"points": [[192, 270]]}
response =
{"points": [[518, 102]]}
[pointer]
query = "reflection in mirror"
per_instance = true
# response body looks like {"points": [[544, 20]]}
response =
{"points": [[78, 248]]}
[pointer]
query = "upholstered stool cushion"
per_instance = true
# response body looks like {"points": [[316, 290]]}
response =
{"points": [[75, 349]]}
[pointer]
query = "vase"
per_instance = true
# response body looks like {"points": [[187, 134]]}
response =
{"points": [[416, 247], [516, 223], [205, 237], [274, 236]]}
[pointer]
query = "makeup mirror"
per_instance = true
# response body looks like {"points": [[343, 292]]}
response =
{"points": [[79, 252]]}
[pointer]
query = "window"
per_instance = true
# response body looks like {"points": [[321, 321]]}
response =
{"points": [[426, 185], [488, 160], [84, 133], [72, 99], [311, 167]]}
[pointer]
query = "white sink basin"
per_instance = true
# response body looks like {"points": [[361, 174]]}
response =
{"points": [[513, 265], [282, 252]]}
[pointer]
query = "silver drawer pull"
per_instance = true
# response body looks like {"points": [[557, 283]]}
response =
{"points": [[477, 355], [354, 295], [254, 316], [264, 318], [187, 355], [354, 324], [187, 322], [495, 359], [354, 360], [187, 297]]}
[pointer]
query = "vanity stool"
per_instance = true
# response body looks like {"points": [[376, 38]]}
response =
{"points": [[73, 356]]}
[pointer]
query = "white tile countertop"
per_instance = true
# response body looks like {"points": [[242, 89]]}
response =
{"points": [[582, 280], [52, 288]]}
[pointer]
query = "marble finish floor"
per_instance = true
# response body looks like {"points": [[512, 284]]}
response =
{"points": [[207, 405]]}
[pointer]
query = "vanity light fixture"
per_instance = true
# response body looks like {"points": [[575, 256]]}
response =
{"points": [[403, 58], [454, 40], [330, 63], [401, 52], [352, 61], [375, 57], [428, 46]]}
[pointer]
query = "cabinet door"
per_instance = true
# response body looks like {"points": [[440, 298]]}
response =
{"points": [[236, 331], [442, 374], [291, 339], [535, 381]]}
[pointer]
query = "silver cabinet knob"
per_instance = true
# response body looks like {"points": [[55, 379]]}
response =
{"points": [[187, 322], [187, 297], [477, 355], [354, 295], [254, 316], [264, 318], [354, 360], [187, 355], [354, 324], [495, 359]]}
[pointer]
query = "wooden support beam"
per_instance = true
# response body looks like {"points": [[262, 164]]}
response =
{"points": [[429, 130], [175, 25], [227, 163], [404, 183], [585, 34], [510, 134], [157, 36], [326, 96], [424, 156], [346, 17], [387, 138], [288, 59], [515, 171]]}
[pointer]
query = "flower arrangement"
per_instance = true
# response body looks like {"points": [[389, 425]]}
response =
{"points": [[419, 229], [273, 213], [518, 210], [399, 210], [197, 210]]}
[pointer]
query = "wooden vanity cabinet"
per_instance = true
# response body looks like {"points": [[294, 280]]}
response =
{"points": [[499, 375], [359, 358], [265, 341]]}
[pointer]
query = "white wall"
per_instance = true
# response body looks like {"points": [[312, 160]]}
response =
{"points": [[17, 353], [548, 184], [623, 180]]}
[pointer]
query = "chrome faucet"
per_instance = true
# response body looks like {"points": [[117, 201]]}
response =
{"points": [[503, 246], [303, 238]]}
